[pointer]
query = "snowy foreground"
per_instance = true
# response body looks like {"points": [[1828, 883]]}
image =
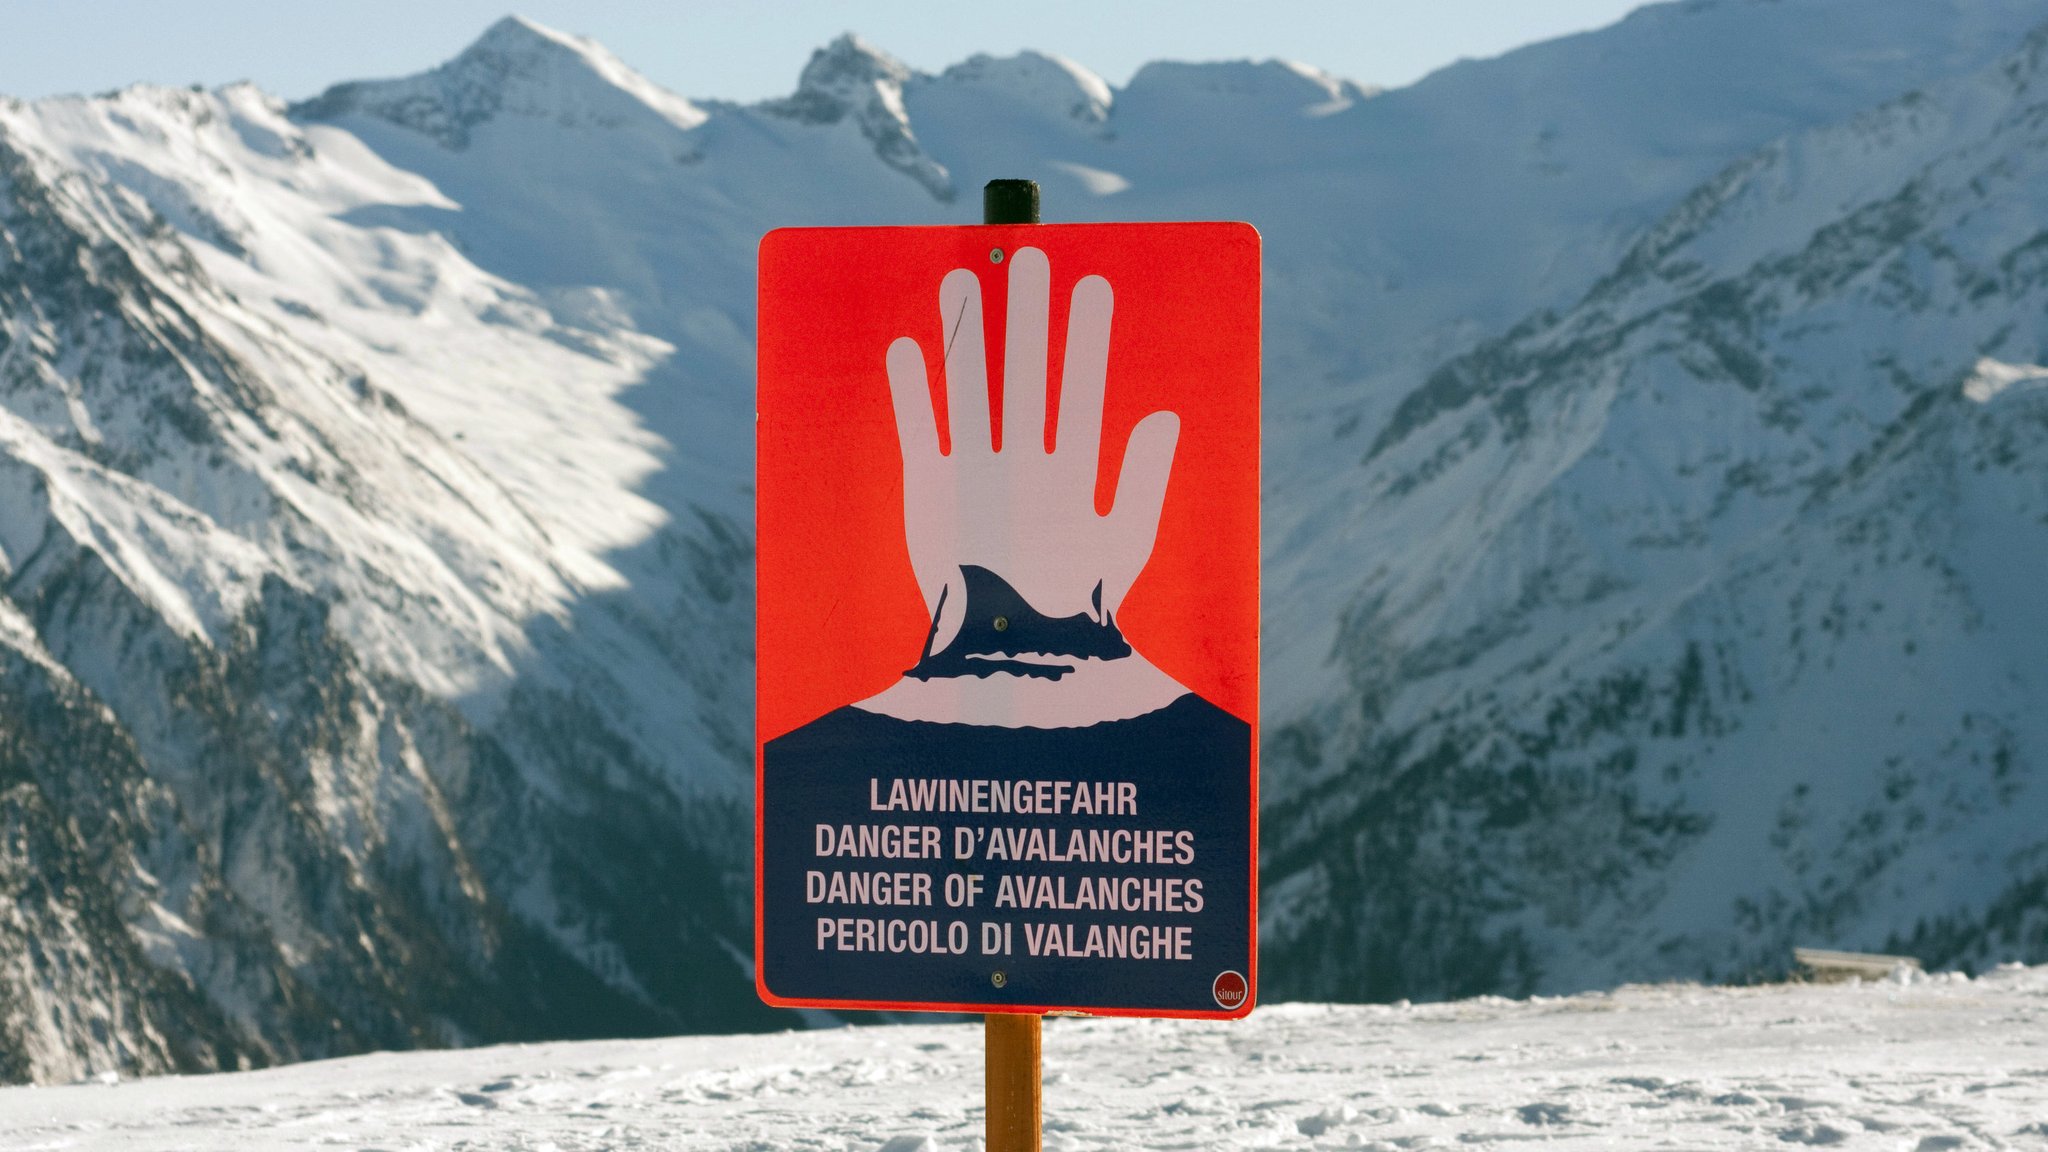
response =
{"points": [[1931, 1063]]}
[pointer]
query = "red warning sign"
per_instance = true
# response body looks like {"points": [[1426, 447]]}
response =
{"points": [[1008, 485]]}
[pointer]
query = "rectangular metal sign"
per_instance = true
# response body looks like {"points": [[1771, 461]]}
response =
{"points": [[1008, 571]]}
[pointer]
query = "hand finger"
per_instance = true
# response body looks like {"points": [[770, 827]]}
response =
{"points": [[917, 429], [1141, 493], [1024, 345], [966, 363], [1087, 369]]}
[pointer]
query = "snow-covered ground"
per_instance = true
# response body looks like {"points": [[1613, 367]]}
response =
{"points": [[1916, 1064]]}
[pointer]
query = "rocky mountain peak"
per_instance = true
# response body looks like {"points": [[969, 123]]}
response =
{"points": [[517, 68], [846, 72], [516, 34], [850, 79]]}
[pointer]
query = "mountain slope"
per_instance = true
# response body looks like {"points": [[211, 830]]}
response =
{"points": [[289, 603], [1703, 618]]}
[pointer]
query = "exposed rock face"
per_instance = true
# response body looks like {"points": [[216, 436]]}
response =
{"points": [[851, 80]]}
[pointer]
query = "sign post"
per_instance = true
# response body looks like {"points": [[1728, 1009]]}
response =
{"points": [[1012, 1082], [1007, 645], [1013, 1074]]}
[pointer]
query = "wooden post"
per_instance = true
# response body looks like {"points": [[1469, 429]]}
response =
{"points": [[1012, 1079], [1013, 1082]]}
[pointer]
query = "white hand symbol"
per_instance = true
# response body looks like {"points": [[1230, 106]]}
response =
{"points": [[1023, 513]]}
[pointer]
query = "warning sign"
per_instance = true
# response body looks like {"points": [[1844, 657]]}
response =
{"points": [[1008, 483]]}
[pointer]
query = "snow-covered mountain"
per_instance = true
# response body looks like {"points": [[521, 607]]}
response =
{"points": [[1705, 616], [375, 513]]}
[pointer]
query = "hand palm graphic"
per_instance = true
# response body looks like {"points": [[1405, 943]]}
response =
{"points": [[1023, 513]]}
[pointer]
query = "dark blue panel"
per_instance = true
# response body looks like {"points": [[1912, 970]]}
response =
{"points": [[1190, 763]]}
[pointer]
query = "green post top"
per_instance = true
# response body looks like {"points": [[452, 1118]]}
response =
{"points": [[1009, 202]]}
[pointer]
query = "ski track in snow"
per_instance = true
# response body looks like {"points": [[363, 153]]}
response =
{"points": [[1919, 1064]]}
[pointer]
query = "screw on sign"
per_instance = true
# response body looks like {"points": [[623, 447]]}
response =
{"points": [[1007, 640]]}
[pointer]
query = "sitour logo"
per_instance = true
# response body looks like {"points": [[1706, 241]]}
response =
{"points": [[1229, 990]]}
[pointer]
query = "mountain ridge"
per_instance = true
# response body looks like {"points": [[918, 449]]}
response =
{"points": [[517, 67]]}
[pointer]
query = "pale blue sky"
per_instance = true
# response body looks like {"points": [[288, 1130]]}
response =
{"points": [[743, 51]]}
